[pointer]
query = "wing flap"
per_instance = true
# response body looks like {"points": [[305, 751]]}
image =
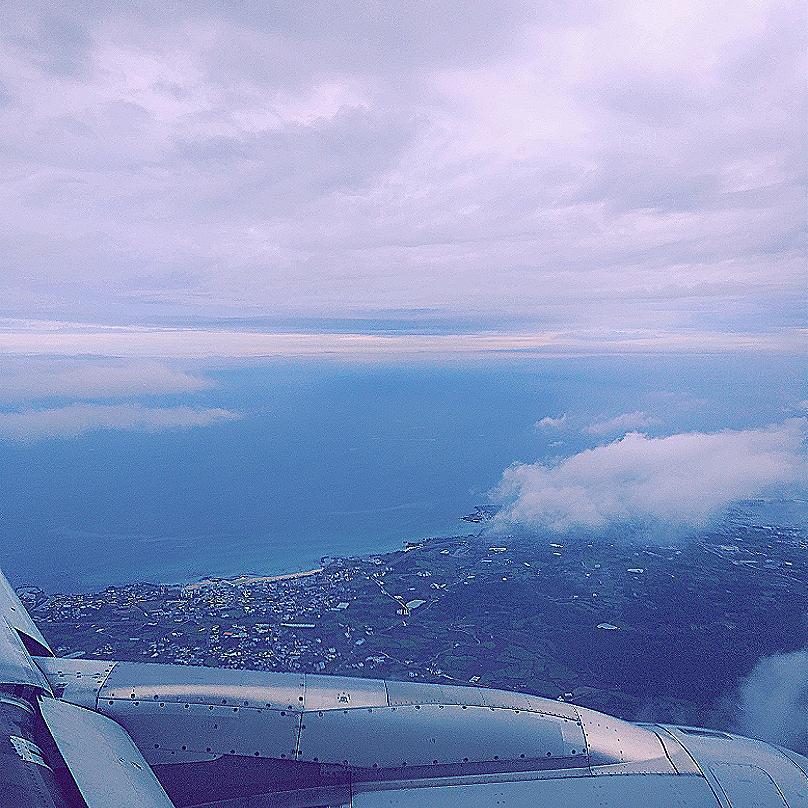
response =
{"points": [[15, 613], [16, 666], [103, 760]]}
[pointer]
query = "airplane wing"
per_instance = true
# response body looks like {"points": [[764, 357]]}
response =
{"points": [[91, 733]]}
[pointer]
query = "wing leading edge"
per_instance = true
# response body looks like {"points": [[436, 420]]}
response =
{"points": [[243, 738]]}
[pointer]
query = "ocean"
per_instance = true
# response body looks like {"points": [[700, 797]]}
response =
{"points": [[331, 458]]}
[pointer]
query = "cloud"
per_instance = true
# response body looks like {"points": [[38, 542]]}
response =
{"points": [[93, 380], [773, 701], [548, 422], [622, 423], [36, 338], [675, 482], [586, 165], [76, 419]]}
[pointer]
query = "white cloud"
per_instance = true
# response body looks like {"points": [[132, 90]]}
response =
{"points": [[20, 337], [93, 380], [774, 701], [549, 422], [76, 419], [678, 482], [624, 422]]}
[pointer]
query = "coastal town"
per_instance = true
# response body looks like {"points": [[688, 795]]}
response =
{"points": [[622, 627]]}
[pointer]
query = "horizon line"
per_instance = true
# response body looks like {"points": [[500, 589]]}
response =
{"points": [[56, 338]]}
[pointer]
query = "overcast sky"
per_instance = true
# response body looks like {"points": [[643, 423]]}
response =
{"points": [[551, 165]]}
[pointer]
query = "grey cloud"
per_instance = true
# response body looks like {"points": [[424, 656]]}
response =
{"points": [[575, 165], [56, 40], [368, 36], [259, 175], [76, 419], [673, 483]]}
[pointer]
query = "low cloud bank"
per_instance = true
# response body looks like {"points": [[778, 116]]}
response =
{"points": [[65, 422], [673, 482], [27, 338], [93, 380], [773, 701], [622, 423]]}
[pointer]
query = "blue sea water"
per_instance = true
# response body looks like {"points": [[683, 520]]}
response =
{"points": [[336, 459]]}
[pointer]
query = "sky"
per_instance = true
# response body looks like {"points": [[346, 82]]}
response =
{"points": [[587, 174], [187, 189]]}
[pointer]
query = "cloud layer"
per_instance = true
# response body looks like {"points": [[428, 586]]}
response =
{"points": [[774, 701], [678, 482], [76, 419], [615, 166], [28, 381], [35, 338]]}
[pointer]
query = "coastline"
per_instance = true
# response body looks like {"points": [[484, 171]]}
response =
{"points": [[251, 579], [190, 572]]}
